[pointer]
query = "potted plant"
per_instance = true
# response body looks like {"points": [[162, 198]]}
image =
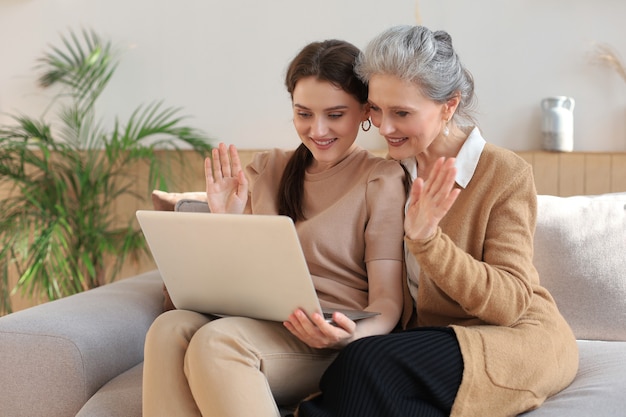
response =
{"points": [[58, 230]]}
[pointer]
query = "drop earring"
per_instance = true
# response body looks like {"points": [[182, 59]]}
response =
{"points": [[446, 130]]}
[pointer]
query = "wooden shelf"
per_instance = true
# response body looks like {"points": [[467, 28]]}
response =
{"points": [[575, 173]]}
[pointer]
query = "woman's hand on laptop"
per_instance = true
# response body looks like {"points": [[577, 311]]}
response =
{"points": [[317, 333], [226, 183]]}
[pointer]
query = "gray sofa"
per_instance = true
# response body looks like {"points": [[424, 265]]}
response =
{"points": [[82, 355]]}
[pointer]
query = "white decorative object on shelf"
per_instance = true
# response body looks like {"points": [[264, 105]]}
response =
{"points": [[558, 123]]}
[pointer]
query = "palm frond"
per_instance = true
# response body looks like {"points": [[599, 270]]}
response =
{"points": [[27, 130], [83, 68]]}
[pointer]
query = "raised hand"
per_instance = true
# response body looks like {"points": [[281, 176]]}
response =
{"points": [[430, 200], [226, 183]]}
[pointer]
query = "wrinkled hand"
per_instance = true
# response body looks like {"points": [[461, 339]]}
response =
{"points": [[431, 200], [318, 333], [226, 183]]}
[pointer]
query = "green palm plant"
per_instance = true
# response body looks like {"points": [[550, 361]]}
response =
{"points": [[58, 231]]}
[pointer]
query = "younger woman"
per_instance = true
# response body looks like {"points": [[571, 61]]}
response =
{"points": [[347, 206]]}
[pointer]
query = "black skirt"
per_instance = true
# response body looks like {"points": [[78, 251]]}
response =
{"points": [[412, 373]]}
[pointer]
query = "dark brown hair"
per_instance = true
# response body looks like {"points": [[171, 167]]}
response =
{"points": [[333, 61]]}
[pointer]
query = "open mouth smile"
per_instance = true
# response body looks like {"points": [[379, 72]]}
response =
{"points": [[396, 141], [323, 142]]}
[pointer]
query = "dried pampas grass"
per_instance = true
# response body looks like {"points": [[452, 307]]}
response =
{"points": [[604, 54]]}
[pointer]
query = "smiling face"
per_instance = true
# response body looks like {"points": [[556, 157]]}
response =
{"points": [[409, 121], [327, 120]]}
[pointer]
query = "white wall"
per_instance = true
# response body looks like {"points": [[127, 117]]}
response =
{"points": [[520, 51], [224, 61]]}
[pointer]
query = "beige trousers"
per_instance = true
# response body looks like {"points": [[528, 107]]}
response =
{"points": [[232, 366]]}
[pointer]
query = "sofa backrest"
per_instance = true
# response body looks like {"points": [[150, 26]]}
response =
{"points": [[580, 254]]}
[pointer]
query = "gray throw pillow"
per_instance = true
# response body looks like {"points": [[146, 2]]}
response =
{"points": [[580, 253]]}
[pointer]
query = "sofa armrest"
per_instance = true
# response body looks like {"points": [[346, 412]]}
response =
{"points": [[55, 356], [192, 205]]}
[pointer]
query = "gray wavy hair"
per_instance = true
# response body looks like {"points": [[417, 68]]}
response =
{"points": [[424, 57]]}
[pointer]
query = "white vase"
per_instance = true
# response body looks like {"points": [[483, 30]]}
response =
{"points": [[558, 123]]}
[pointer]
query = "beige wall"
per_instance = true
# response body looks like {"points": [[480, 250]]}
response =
{"points": [[563, 174]]}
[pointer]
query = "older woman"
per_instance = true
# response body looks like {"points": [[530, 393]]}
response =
{"points": [[486, 338]]}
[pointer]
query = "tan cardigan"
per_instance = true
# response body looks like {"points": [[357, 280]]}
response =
{"points": [[517, 349]]}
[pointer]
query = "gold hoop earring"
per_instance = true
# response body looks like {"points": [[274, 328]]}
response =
{"points": [[366, 126]]}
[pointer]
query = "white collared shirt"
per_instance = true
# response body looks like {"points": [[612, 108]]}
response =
{"points": [[466, 162]]}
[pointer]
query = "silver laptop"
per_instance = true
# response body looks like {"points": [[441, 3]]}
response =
{"points": [[233, 265]]}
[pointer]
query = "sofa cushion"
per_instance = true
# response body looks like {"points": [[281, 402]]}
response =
{"points": [[580, 244], [599, 386], [120, 397]]}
